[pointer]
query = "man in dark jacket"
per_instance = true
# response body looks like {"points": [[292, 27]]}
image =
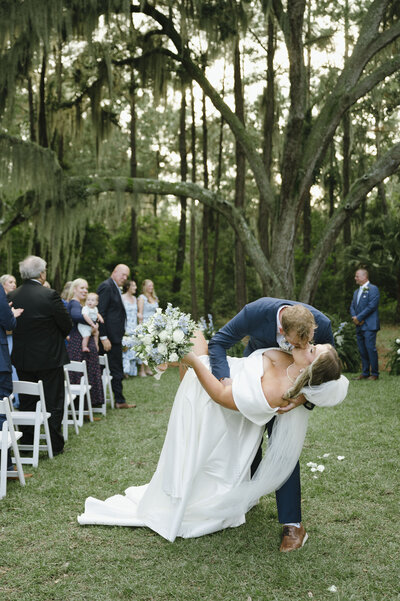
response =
{"points": [[112, 309], [39, 351]]}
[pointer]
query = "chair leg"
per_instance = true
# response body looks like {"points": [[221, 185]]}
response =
{"points": [[3, 468], [48, 439], [36, 437]]}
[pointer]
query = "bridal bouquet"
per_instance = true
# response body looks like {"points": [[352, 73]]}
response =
{"points": [[165, 337]]}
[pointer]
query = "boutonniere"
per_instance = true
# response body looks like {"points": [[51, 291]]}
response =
{"points": [[365, 289]]}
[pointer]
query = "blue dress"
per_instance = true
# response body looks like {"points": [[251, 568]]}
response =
{"points": [[148, 308], [129, 361]]}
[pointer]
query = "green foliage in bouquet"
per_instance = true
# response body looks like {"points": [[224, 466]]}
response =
{"points": [[393, 357], [344, 334]]}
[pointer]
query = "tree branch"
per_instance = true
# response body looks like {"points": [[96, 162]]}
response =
{"points": [[97, 185]]}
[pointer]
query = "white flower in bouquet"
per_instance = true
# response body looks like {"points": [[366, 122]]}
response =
{"points": [[165, 337], [178, 336]]}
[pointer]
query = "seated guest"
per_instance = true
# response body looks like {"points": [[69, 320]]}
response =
{"points": [[77, 295]]}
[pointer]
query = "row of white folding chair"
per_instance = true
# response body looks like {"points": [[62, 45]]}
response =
{"points": [[37, 419], [8, 440]]}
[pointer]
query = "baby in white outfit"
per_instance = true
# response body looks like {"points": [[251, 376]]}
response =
{"points": [[91, 315]]}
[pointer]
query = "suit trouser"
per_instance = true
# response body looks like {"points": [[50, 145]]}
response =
{"points": [[366, 340], [5, 390], [53, 386], [116, 369], [288, 496]]}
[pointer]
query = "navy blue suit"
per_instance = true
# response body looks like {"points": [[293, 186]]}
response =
{"points": [[366, 311], [258, 321], [7, 322], [112, 309]]}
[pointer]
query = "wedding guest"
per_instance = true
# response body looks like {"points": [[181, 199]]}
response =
{"points": [[9, 284], [65, 291], [38, 345], [147, 306], [77, 297], [112, 309], [364, 312], [8, 322], [92, 317], [129, 359]]}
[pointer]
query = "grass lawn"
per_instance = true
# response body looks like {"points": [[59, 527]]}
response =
{"points": [[350, 510]]}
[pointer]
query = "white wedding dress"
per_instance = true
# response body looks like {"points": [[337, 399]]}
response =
{"points": [[202, 481]]}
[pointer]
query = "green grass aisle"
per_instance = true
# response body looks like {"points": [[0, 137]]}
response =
{"points": [[350, 510]]}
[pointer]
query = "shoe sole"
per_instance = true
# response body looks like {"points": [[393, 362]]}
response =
{"points": [[305, 539]]}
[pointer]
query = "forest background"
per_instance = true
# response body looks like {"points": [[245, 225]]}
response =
{"points": [[224, 149]]}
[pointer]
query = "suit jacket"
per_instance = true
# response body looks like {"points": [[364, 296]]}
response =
{"points": [[258, 320], [111, 308], [366, 309], [7, 322], [38, 339]]}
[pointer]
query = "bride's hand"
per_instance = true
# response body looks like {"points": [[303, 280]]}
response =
{"points": [[188, 359], [291, 404]]}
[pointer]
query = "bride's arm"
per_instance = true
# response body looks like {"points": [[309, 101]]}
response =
{"points": [[219, 393]]}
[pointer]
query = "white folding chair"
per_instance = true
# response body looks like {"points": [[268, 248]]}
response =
{"points": [[81, 390], [69, 417], [37, 419], [106, 378], [8, 439]]}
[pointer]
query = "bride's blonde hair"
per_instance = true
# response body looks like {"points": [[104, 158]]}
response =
{"points": [[326, 367]]}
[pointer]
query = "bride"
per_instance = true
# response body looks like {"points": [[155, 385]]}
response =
{"points": [[202, 482]]}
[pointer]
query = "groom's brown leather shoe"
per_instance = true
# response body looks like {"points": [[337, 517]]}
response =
{"points": [[293, 538], [361, 377], [124, 406]]}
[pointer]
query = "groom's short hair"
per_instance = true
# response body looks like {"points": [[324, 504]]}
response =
{"points": [[300, 320]]}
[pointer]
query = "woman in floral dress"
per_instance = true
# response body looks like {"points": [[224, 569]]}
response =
{"points": [[147, 306], [129, 360]]}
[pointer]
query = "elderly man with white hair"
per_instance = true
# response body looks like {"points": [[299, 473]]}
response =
{"points": [[39, 351]]}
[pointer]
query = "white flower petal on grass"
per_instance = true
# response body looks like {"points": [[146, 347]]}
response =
{"points": [[311, 464], [340, 457], [313, 469], [320, 468], [332, 589], [325, 455]]}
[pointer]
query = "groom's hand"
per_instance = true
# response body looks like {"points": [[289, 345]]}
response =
{"points": [[293, 403]]}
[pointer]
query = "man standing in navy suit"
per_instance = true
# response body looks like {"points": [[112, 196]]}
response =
{"points": [[364, 312], [112, 330], [261, 320]]}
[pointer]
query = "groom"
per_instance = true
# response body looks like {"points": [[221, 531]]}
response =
{"points": [[261, 321]]}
